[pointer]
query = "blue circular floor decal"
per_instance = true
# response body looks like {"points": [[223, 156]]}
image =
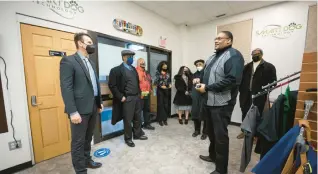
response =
{"points": [[101, 152]]}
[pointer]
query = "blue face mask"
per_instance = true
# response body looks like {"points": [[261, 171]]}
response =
{"points": [[130, 60]]}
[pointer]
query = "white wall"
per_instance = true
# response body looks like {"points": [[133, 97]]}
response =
{"points": [[285, 54], [98, 16]]}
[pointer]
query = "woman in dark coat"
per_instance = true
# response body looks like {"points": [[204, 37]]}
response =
{"points": [[182, 99], [163, 83]]}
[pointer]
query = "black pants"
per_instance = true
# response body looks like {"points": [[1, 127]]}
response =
{"points": [[218, 118], [132, 114], [145, 104], [197, 126], [163, 109], [81, 141]]}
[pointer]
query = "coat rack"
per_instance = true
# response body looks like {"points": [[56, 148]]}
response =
{"points": [[272, 86], [284, 78]]}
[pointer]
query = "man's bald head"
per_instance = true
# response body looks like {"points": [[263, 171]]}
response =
{"points": [[141, 63]]}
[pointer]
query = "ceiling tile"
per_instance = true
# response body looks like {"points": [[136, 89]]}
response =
{"points": [[150, 5], [196, 12], [244, 6], [213, 8]]}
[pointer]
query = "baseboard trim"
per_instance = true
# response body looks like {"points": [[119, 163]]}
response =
{"points": [[112, 135], [17, 168], [235, 124], [232, 123]]}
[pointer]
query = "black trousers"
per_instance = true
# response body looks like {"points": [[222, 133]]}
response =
{"points": [[82, 134], [218, 118], [145, 104], [197, 126], [132, 115], [163, 100]]}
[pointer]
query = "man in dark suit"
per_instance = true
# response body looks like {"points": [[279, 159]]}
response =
{"points": [[256, 74], [124, 85], [81, 95]]}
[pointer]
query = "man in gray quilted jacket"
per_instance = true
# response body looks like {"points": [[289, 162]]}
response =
{"points": [[220, 82]]}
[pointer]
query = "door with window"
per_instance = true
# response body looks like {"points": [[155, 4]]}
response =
{"points": [[49, 124], [156, 56]]}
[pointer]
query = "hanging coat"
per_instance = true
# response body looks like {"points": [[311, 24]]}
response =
{"points": [[273, 161], [249, 128], [197, 100]]}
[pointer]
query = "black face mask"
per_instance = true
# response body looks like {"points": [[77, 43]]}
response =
{"points": [[256, 58], [142, 66], [90, 49]]}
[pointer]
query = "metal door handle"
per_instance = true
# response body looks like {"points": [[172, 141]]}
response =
{"points": [[33, 101]]}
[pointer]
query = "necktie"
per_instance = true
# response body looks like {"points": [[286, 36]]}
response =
{"points": [[91, 75]]}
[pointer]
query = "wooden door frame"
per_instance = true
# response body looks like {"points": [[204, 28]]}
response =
{"points": [[40, 22], [95, 35]]}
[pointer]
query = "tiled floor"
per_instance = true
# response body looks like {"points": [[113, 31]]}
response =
{"points": [[169, 150]]}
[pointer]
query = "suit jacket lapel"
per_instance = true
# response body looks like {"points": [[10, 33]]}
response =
{"points": [[80, 61], [123, 74]]}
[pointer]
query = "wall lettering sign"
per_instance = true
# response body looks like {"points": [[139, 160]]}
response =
{"points": [[127, 27], [65, 9], [279, 31]]}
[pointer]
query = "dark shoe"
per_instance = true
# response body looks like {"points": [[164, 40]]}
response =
{"points": [[160, 123], [206, 158], [165, 123], [180, 121], [149, 127], [216, 172], [204, 136], [195, 134], [93, 165], [240, 136], [186, 121], [130, 143], [143, 137]]}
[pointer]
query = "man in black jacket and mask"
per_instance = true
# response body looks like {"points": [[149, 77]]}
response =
{"points": [[256, 74], [197, 100], [124, 85]]}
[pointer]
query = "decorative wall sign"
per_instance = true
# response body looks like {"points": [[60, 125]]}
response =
{"points": [[57, 53], [66, 9], [127, 27], [279, 31], [163, 41]]}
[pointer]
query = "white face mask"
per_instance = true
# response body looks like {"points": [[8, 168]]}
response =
{"points": [[199, 68]]}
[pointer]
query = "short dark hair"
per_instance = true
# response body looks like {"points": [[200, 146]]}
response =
{"points": [[228, 34], [197, 61], [79, 37]]}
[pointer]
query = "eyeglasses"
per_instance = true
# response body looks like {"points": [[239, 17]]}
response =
{"points": [[220, 38]]}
